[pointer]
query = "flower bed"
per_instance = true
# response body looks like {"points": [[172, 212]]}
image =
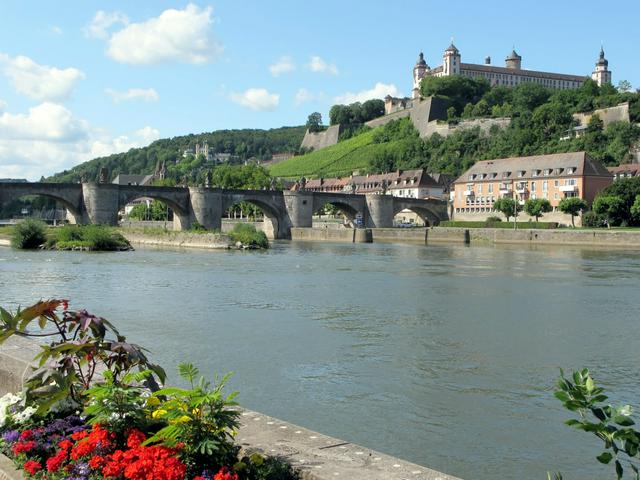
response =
{"points": [[71, 423]]}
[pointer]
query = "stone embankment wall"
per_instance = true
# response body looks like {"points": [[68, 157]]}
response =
{"points": [[380, 121], [314, 455], [179, 239], [319, 140], [350, 235], [587, 238]]}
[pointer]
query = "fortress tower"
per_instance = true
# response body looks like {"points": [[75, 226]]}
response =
{"points": [[418, 73], [513, 61], [602, 74], [451, 61]]}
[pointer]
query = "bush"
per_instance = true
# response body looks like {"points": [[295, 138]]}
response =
{"points": [[248, 235], [87, 237], [493, 219], [592, 220], [28, 235], [488, 224]]}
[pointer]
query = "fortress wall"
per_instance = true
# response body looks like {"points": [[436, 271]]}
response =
{"points": [[319, 140], [619, 113], [378, 122], [485, 124]]}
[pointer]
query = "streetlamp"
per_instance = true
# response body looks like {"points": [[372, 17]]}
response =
{"points": [[515, 207]]}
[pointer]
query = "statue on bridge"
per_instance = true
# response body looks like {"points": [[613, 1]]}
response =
{"points": [[104, 175]]}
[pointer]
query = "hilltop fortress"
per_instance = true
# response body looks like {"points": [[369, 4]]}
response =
{"points": [[428, 115]]}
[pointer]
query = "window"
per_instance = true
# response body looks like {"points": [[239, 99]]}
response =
{"points": [[555, 195], [545, 186], [533, 186], [556, 183], [570, 181], [479, 189], [521, 173], [490, 188]]}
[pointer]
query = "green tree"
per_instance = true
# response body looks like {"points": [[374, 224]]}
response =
{"points": [[572, 206], [626, 189], [611, 207], [536, 207], [507, 206], [635, 209], [314, 122]]}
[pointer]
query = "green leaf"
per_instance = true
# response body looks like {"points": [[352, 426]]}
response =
{"points": [[605, 457], [619, 469], [623, 420], [589, 384], [562, 396]]}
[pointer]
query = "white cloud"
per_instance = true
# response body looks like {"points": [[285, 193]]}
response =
{"points": [[283, 65], [3, 105], [47, 121], [304, 96], [146, 94], [49, 139], [175, 35], [56, 29], [39, 82], [317, 64], [256, 99], [102, 21], [124, 143], [380, 90]]}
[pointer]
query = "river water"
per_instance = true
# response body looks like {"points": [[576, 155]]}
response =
{"points": [[442, 355]]}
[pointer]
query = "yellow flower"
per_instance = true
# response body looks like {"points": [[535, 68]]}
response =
{"points": [[184, 419], [153, 402], [159, 413]]}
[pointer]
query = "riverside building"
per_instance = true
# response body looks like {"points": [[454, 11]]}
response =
{"points": [[553, 177]]}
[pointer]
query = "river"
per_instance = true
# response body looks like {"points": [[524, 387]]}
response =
{"points": [[442, 355]]}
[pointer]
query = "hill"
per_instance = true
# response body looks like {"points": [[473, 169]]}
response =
{"points": [[240, 144], [541, 118]]}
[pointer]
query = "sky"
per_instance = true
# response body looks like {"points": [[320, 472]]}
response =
{"points": [[82, 79]]}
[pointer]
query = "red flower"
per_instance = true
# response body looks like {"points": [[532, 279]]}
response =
{"points": [[80, 435], [225, 474], [54, 463], [135, 438], [26, 435], [23, 447], [99, 438], [199, 478], [142, 463], [97, 462], [32, 467], [65, 444], [65, 305]]}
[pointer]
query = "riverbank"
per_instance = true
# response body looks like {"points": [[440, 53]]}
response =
{"points": [[314, 455], [168, 238]]}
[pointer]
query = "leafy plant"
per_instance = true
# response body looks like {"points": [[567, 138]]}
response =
{"points": [[201, 417], [82, 345], [536, 207], [572, 206], [248, 235], [119, 404], [612, 425], [29, 234]]}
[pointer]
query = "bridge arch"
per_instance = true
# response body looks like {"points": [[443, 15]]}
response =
{"points": [[345, 208], [427, 215], [68, 196], [178, 204], [273, 220]]}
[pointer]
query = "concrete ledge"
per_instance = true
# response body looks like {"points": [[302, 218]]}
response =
{"points": [[179, 239], [314, 455], [416, 234]]}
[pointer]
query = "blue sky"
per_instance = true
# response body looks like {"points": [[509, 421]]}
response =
{"points": [[79, 79]]}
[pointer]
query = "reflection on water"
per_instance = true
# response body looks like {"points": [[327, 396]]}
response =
{"points": [[443, 355]]}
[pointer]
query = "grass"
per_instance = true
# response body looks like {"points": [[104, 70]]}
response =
{"points": [[340, 159]]}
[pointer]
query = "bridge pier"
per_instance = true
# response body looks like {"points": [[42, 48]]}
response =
{"points": [[299, 207], [205, 208], [379, 212], [100, 203]]}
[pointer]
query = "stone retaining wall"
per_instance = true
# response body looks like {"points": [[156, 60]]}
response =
{"points": [[314, 455], [179, 239]]}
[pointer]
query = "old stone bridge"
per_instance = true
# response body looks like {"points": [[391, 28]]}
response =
{"points": [[100, 204]]}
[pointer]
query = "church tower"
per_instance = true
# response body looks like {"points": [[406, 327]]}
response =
{"points": [[451, 64], [418, 73], [602, 74]]}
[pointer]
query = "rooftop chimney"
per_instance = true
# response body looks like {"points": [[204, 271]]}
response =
{"points": [[487, 61]]}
